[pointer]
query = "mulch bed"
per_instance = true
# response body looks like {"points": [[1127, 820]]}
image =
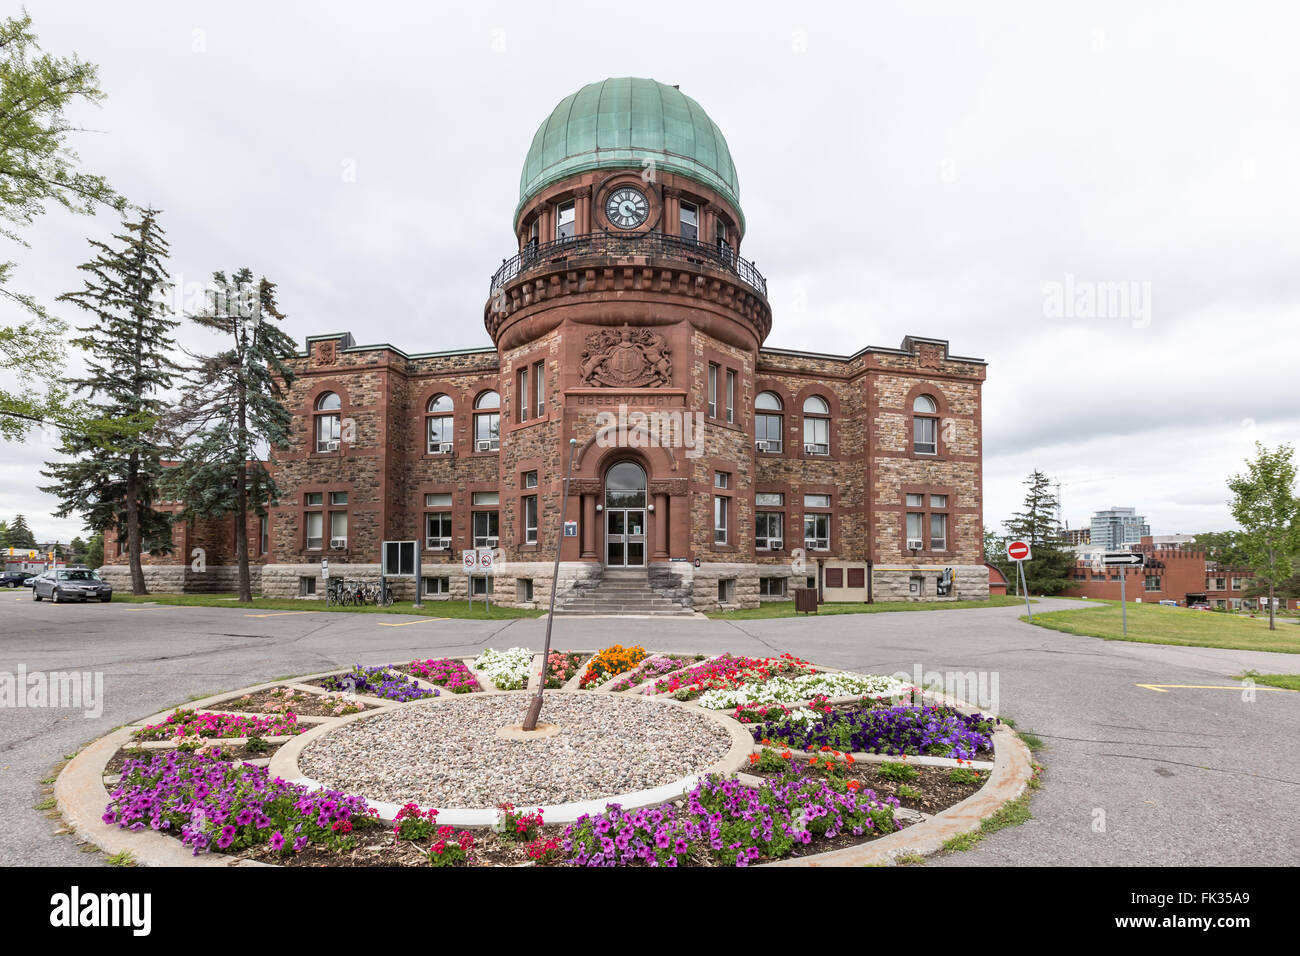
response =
{"points": [[304, 704], [375, 847]]}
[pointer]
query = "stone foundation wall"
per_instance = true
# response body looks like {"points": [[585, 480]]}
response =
{"points": [[970, 583], [181, 579], [704, 586]]}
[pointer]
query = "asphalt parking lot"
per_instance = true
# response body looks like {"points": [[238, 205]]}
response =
{"points": [[1175, 775]]}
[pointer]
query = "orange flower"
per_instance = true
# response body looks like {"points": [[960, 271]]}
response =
{"points": [[853, 785]]}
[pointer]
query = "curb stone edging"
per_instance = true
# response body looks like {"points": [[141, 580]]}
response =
{"points": [[82, 797]]}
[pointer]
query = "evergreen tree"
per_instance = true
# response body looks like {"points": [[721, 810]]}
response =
{"points": [[1048, 572], [4, 534], [95, 550], [20, 536], [234, 409], [38, 170], [118, 451], [1265, 505], [77, 548]]}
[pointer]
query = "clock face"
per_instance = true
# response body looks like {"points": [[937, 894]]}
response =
{"points": [[626, 207]]}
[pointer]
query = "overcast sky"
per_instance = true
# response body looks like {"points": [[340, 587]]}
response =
{"points": [[967, 171]]}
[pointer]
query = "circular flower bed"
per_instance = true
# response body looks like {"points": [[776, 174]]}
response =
{"points": [[800, 742]]}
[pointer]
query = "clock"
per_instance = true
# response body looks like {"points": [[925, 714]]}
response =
{"points": [[627, 207]]}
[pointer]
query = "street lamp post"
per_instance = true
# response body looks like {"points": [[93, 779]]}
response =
{"points": [[535, 705]]}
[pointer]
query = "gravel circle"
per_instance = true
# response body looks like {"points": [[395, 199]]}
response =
{"points": [[447, 754]]}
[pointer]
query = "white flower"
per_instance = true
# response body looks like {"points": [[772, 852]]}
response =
{"points": [[508, 670]]}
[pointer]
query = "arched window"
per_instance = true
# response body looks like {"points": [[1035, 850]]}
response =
{"points": [[768, 422], [439, 425], [328, 425], [816, 426], [925, 426], [487, 424]]}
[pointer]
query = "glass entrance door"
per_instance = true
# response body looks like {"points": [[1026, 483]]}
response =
{"points": [[625, 500], [625, 538]]}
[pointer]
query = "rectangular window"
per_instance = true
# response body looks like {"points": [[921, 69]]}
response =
{"points": [[767, 432], [315, 498], [327, 433], [438, 499], [524, 590], [769, 498], [482, 586], [338, 529], [1236, 584], [817, 436], [521, 393], [440, 585], [265, 536], [721, 479], [938, 501], [689, 221], [1152, 582], [726, 590], [437, 530], [487, 431], [771, 587], [720, 519], [816, 501], [565, 220], [713, 390], [731, 396], [306, 586], [486, 534], [915, 524], [768, 530], [315, 530], [440, 435], [916, 501], [539, 386], [938, 532], [923, 436], [817, 532], [530, 519], [338, 497], [486, 498], [530, 479]]}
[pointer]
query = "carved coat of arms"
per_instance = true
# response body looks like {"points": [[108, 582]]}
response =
{"points": [[626, 358]]}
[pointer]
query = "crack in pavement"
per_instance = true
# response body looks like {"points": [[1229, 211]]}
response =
{"points": [[1197, 766]]}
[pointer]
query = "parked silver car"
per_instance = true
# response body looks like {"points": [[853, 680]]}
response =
{"points": [[71, 584]]}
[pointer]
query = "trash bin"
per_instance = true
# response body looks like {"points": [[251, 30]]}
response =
{"points": [[805, 600]]}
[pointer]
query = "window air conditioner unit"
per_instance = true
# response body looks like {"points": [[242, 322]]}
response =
{"points": [[760, 445], [493, 542], [914, 543], [811, 449], [441, 448], [440, 544], [332, 445], [485, 445], [777, 545], [338, 543]]}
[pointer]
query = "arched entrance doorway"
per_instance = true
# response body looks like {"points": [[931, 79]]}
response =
{"points": [[625, 508]]}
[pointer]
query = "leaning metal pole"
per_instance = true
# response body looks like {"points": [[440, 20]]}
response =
{"points": [[535, 705]]}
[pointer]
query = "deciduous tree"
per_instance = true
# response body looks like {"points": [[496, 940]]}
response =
{"points": [[1264, 504]]}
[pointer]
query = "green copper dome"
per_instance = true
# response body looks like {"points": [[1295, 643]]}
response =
{"points": [[623, 122]]}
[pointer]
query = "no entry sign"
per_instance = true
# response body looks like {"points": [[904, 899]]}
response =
{"points": [[1018, 551]]}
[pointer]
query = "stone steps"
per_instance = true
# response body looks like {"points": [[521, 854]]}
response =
{"points": [[621, 592]]}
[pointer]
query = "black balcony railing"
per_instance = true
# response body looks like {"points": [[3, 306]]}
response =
{"points": [[654, 244]]}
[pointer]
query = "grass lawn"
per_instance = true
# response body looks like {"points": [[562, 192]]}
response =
{"points": [[1154, 624], [786, 608], [459, 609], [1285, 681]]}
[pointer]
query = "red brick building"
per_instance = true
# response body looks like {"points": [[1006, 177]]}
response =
{"points": [[1168, 573], [719, 471]]}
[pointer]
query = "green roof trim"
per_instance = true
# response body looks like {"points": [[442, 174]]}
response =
{"points": [[621, 123]]}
